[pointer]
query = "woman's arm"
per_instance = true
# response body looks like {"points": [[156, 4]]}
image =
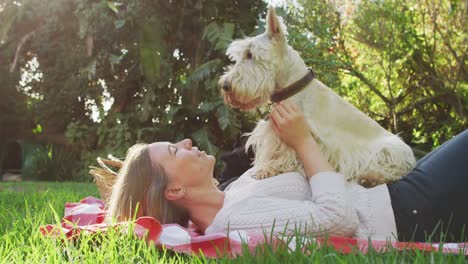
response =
{"points": [[329, 212], [290, 125]]}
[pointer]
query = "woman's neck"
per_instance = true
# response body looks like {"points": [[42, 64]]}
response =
{"points": [[203, 204]]}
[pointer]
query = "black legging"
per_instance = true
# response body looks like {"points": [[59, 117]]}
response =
{"points": [[431, 202]]}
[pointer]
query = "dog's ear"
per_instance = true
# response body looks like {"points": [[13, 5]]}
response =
{"points": [[275, 27]]}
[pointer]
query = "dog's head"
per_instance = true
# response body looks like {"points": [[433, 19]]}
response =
{"points": [[261, 65]]}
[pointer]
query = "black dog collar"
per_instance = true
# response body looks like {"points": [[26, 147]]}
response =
{"points": [[294, 88]]}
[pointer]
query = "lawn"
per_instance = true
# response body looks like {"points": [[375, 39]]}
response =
{"points": [[25, 206]]}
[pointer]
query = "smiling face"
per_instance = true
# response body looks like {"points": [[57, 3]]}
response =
{"points": [[183, 163], [259, 62]]}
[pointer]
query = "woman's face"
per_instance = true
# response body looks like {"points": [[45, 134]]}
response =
{"points": [[182, 162]]}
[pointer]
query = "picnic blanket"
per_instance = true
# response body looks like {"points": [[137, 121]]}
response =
{"points": [[88, 216]]}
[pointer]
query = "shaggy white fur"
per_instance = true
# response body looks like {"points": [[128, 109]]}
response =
{"points": [[355, 145]]}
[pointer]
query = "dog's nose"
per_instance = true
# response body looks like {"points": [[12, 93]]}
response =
{"points": [[226, 87]]}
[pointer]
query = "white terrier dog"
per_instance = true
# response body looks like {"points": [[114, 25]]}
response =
{"points": [[267, 68]]}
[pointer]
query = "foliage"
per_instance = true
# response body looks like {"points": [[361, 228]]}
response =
{"points": [[161, 72], [112, 73], [48, 163], [401, 62]]}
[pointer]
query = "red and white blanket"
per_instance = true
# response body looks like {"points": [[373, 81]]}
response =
{"points": [[88, 216]]}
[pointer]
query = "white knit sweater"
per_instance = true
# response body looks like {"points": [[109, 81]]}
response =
{"points": [[327, 204]]}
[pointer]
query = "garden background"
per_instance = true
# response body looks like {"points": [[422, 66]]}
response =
{"points": [[81, 79], [88, 78]]}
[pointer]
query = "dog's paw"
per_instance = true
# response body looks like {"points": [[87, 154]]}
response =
{"points": [[371, 180]]}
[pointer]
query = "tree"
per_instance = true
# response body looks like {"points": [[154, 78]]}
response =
{"points": [[87, 78], [403, 63], [138, 72]]}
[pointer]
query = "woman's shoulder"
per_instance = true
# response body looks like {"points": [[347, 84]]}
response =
{"points": [[249, 178], [251, 174], [289, 185]]}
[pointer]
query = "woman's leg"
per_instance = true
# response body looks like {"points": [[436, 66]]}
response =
{"points": [[431, 202]]}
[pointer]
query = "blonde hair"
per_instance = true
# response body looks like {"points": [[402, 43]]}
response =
{"points": [[139, 190]]}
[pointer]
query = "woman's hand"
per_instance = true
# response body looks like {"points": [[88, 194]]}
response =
{"points": [[290, 125]]}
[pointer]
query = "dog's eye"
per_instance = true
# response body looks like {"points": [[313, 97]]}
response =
{"points": [[249, 55]]}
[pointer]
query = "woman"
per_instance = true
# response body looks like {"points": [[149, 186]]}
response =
{"points": [[174, 183]]}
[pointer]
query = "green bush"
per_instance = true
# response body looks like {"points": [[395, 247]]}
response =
{"points": [[48, 163]]}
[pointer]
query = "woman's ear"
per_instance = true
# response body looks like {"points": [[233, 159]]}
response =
{"points": [[174, 192]]}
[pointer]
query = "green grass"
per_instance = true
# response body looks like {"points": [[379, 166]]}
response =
{"points": [[25, 206]]}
